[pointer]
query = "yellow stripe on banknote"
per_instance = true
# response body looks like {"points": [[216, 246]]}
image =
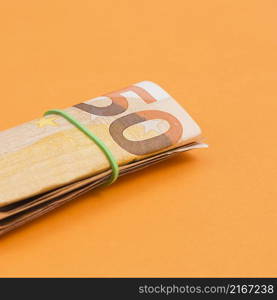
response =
{"points": [[93, 137]]}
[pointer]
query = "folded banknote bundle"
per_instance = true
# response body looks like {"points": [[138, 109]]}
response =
{"points": [[49, 161]]}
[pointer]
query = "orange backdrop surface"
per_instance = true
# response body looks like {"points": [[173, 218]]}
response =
{"points": [[205, 213]]}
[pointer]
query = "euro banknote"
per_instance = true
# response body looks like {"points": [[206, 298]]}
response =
{"points": [[47, 162]]}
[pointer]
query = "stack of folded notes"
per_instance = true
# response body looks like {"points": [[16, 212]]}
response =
{"points": [[48, 162]]}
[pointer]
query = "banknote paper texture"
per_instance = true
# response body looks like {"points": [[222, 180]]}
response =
{"points": [[47, 162]]}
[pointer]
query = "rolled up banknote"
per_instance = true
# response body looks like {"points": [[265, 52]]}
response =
{"points": [[47, 162]]}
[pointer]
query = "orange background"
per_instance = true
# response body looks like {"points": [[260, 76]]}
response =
{"points": [[205, 213]]}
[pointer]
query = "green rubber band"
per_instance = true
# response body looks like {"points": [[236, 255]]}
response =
{"points": [[94, 138]]}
